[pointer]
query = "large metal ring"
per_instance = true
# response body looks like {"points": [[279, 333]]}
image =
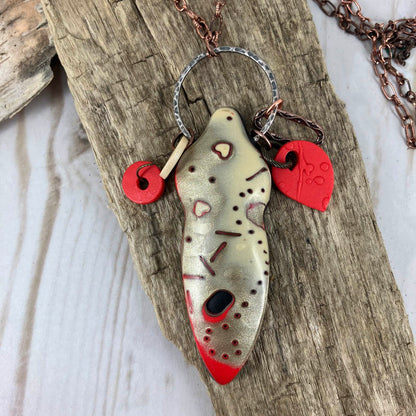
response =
{"points": [[224, 49]]}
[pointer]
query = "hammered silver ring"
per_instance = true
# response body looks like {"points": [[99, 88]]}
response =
{"points": [[224, 49]]}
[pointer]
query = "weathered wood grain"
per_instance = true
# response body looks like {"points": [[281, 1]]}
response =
{"points": [[26, 51], [78, 335], [335, 339]]}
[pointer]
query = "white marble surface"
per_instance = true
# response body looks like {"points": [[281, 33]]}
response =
{"points": [[78, 336]]}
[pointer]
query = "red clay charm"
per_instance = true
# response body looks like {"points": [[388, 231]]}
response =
{"points": [[143, 185], [311, 181]]}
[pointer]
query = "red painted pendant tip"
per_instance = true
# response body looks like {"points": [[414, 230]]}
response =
{"points": [[311, 181], [149, 190], [220, 372]]}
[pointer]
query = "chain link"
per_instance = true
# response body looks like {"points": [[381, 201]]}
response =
{"points": [[209, 33], [391, 42], [270, 140]]}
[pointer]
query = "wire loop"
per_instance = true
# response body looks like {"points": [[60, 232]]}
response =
{"points": [[224, 49]]}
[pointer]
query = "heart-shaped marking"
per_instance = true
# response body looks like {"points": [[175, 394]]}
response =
{"points": [[201, 208], [223, 150]]}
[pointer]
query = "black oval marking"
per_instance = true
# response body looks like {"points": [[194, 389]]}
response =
{"points": [[219, 302]]}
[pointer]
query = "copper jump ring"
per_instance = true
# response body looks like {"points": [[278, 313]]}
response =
{"points": [[259, 135], [277, 105]]}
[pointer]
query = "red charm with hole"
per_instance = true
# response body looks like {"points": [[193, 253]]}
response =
{"points": [[143, 185], [311, 181]]}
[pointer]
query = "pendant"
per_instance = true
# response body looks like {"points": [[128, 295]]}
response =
{"points": [[224, 185]]}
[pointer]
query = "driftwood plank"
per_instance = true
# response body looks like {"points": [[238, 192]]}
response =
{"points": [[335, 339], [26, 51]]}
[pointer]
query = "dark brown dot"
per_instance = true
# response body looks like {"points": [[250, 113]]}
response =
{"points": [[244, 304], [251, 231], [260, 242], [234, 342], [238, 352], [250, 191], [267, 262], [259, 282], [237, 315], [266, 273], [229, 118], [208, 331], [238, 222], [235, 208], [264, 251], [225, 356], [242, 194], [206, 338], [212, 351], [191, 169], [212, 179], [188, 239], [253, 291], [263, 190], [225, 326]]}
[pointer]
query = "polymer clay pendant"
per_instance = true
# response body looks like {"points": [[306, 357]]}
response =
{"points": [[224, 185]]}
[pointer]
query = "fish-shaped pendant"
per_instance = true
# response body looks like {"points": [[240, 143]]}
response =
{"points": [[224, 185]]}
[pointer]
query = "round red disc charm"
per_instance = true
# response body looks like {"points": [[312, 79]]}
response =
{"points": [[143, 185]]}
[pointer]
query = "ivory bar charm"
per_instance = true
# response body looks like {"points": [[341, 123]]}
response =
{"points": [[224, 185]]}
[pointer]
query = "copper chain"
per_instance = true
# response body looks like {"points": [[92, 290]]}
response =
{"points": [[272, 140], [391, 42], [205, 31], [210, 37]]}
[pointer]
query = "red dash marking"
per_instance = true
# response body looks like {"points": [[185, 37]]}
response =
{"points": [[207, 266], [219, 232], [257, 173], [192, 276], [189, 302], [218, 251]]}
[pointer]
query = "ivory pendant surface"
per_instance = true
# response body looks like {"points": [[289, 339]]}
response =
{"points": [[224, 185]]}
